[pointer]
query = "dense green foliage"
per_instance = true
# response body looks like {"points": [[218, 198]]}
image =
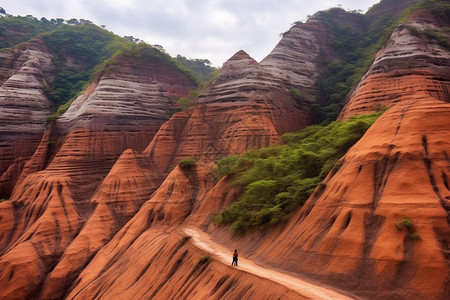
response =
{"points": [[185, 102], [201, 67], [88, 46], [14, 30], [187, 163], [357, 47], [280, 178]]}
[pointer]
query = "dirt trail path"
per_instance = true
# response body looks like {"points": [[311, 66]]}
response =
{"points": [[204, 242]]}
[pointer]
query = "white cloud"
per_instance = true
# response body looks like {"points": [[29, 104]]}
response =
{"points": [[213, 29]]}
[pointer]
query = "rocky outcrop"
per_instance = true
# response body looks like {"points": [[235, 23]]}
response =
{"points": [[410, 66], [23, 72], [294, 59], [246, 107]]}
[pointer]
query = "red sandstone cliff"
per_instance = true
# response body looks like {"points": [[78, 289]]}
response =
{"points": [[410, 66], [346, 233], [52, 200], [94, 217], [84, 193], [246, 107], [23, 71]]}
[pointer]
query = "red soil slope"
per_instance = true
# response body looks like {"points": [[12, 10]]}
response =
{"points": [[92, 218], [346, 231], [52, 200]]}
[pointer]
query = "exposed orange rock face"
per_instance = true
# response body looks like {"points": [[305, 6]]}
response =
{"points": [[149, 257], [84, 193], [93, 217], [246, 107], [119, 112], [405, 69], [346, 231]]}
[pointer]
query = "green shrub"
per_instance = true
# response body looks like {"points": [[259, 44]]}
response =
{"points": [[187, 163], [3, 200], [414, 236], [295, 94], [442, 40], [185, 102], [408, 224], [206, 259], [405, 222], [278, 179], [201, 67], [50, 119]]}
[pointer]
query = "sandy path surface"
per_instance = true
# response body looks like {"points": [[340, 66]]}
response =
{"points": [[224, 255]]}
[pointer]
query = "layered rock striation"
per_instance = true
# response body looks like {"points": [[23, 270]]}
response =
{"points": [[351, 231], [55, 195], [246, 107], [414, 64], [24, 106], [99, 208]]}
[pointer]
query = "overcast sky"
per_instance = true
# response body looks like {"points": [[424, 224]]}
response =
{"points": [[211, 29]]}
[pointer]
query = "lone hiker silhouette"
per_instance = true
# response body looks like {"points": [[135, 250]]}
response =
{"points": [[235, 258]]}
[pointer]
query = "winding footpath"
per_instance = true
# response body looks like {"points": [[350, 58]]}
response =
{"points": [[203, 241]]}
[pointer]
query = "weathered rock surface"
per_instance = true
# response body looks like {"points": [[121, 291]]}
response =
{"points": [[294, 59], [149, 257], [246, 107], [55, 194], [93, 217], [411, 65], [346, 233], [23, 72]]}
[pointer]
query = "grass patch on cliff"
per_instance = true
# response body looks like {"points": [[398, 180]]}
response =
{"points": [[410, 228], [15, 30], [278, 179], [206, 259], [188, 163]]}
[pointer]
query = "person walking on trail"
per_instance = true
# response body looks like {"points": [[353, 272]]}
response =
{"points": [[235, 258]]}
